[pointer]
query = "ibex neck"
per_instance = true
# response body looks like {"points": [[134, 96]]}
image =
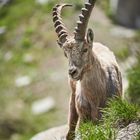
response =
{"points": [[91, 64], [92, 71]]}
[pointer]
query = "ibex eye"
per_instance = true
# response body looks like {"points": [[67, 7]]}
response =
{"points": [[85, 50]]}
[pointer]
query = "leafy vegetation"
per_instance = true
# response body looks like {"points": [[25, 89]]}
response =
{"points": [[118, 114]]}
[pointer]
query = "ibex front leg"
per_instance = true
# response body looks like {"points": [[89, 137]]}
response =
{"points": [[73, 116]]}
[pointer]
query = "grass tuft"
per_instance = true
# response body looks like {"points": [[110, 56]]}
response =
{"points": [[88, 131], [118, 113]]}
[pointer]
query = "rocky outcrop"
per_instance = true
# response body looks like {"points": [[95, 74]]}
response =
{"points": [[126, 12], [4, 2], [57, 133], [130, 132]]}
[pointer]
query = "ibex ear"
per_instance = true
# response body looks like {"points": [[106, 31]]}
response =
{"points": [[90, 36]]}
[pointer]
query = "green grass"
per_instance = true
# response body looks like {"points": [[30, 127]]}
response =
{"points": [[12, 15], [89, 131], [120, 113], [123, 53], [117, 114]]}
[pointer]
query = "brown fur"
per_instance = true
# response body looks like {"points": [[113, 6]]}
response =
{"points": [[101, 80]]}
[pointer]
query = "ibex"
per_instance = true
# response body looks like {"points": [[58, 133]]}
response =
{"points": [[94, 75]]}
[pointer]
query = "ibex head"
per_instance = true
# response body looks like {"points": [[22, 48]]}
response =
{"points": [[77, 48]]}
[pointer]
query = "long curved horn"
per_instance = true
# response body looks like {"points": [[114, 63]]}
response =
{"points": [[58, 24], [80, 30]]}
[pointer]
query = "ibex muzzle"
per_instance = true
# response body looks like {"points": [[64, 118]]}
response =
{"points": [[73, 71]]}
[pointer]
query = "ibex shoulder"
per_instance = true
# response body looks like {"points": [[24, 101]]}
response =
{"points": [[104, 54]]}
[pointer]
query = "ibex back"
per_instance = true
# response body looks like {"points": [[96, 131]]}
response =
{"points": [[94, 75]]}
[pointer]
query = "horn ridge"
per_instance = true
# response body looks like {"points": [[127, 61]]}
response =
{"points": [[58, 24], [87, 5], [62, 32], [80, 30]]}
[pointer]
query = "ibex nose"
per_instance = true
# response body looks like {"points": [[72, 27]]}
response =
{"points": [[72, 71]]}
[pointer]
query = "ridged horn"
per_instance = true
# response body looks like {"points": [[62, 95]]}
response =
{"points": [[80, 30], [58, 24]]}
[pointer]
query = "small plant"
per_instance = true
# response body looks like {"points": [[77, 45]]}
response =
{"points": [[118, 113], [88, 131]]}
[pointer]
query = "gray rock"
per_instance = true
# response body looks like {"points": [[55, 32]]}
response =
{"points": [[42, 2], [22, 81], [28, 58], [126, 12], [4, 2], [43, 105], [113, 5], [122, 32], [2, 30], [57, 133], [8, 56], [129, 133]]}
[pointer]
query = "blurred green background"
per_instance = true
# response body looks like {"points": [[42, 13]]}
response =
{"points": [[33, 67]]}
